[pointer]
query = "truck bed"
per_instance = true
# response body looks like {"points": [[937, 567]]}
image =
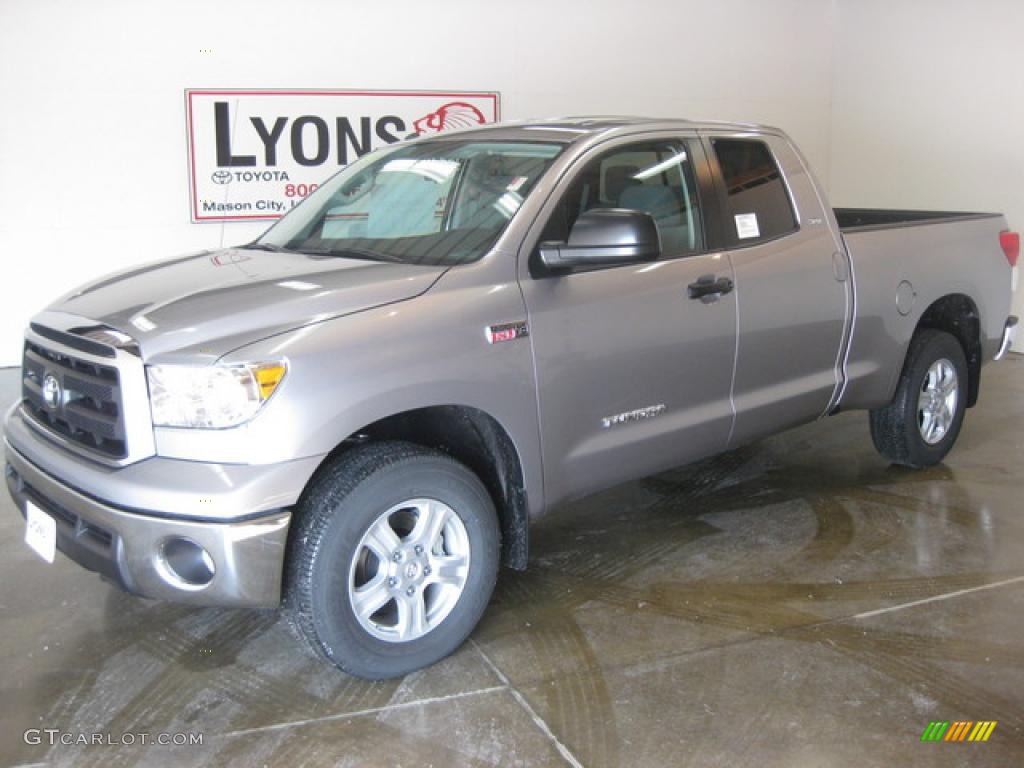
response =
{"points": [[922, 256], [863, 219]]}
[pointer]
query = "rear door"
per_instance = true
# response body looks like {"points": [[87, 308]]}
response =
{"points": [[633, 376], [793, 293]]}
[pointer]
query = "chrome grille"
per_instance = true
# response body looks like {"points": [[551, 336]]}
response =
{"points": [[88, 410]]}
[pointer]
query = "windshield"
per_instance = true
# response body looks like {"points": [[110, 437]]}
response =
{"points": [[430, 202]]}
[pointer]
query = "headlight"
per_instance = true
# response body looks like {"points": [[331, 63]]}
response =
{"points": [[210, 397]]}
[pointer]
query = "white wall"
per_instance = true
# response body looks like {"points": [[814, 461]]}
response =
{"points": [[92, 134], [913, 103], [928, 107]]}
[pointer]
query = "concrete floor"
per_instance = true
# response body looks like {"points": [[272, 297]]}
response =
{"points": [[793, 603]]}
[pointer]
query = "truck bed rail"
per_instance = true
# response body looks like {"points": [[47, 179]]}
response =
{"points": [[864, 219]]}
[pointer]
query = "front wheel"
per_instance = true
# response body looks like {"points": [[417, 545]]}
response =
{"points": [[393, 560], [920, 425]]}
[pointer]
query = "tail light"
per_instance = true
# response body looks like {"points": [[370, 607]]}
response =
{"points": [[1010, 243]]}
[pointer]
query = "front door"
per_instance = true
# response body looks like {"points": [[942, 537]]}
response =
{"points": [[633, 375]]}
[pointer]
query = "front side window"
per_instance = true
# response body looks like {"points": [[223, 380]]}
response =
{"points": [[430, 202], [654, 177], [759, 207]]}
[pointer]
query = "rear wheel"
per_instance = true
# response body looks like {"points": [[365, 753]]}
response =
{"points": [[393, 560], [920, 425]]}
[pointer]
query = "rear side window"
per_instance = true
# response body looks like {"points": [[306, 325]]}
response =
{"points": [[758, 204]]}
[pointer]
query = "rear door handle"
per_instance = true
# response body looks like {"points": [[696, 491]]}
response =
{"points": [[709, 289]]}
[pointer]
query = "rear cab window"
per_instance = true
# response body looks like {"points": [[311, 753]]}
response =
{"points": [[757, 204]]}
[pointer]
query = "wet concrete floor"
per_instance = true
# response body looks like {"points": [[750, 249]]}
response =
{"points": [[793, 603]]}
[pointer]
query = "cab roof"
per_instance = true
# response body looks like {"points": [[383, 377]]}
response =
{"points": [[567, 130]]}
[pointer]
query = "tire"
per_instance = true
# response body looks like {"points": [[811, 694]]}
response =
{"points": [[435, 599], [933, 384]]}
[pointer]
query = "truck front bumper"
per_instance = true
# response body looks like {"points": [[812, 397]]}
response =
{"points": [[122, 522], [201, 562]]}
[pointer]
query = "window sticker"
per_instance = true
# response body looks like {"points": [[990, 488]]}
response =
{"points": [[746, 226]]}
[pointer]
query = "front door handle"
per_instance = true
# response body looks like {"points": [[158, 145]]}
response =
{"points": [[709, 289]]}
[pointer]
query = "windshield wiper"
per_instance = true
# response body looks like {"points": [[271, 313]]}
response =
{"points": [[345, 253], [266, 247], [353, 253]]}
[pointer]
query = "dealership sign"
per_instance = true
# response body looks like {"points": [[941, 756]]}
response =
{"points": [[255, 154]]}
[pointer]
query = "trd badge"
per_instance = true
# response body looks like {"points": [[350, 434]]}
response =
{"points": [[506, 332]]}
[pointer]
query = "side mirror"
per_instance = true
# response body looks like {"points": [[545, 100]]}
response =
{"points": [[605, 237]]}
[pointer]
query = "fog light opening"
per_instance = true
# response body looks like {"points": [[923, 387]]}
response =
{"points": [[186, 564]]}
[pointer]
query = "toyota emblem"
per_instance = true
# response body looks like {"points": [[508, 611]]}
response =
{"points": [[221, 177], [51, 391]]}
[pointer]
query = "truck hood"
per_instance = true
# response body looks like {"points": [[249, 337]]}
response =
{"points": [[205, 305]]}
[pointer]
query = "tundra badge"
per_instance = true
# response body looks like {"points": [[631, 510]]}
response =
{"points": [[640, 414]]}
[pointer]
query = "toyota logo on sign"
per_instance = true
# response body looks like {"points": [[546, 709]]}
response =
{"points": [[221, 177]]}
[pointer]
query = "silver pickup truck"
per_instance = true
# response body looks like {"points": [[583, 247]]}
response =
{"points": [[357, 415]]}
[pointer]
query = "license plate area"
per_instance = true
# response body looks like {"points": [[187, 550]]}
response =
{"points": [[40, 532]]}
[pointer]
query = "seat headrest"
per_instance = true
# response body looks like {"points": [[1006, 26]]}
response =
{"points": [[617, 179], [655, 200]]}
